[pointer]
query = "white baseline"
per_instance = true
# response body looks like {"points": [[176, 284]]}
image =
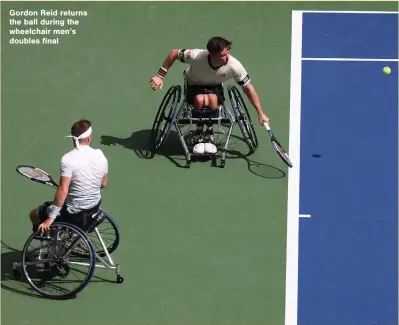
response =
{"points": [[291, 291]]}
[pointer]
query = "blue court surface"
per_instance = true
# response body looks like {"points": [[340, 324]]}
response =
{"points": [[342, 244]]}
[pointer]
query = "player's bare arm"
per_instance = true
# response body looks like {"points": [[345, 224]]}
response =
{"points": [[253, 97], [105, 180], [157, 81], [62, 191]]}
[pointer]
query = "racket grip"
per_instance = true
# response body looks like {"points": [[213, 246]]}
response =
{"points": [[266, 126]]}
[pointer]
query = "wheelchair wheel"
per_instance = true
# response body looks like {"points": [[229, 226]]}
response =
{"points": [[243, 118], [164, 119], [50, 265]]}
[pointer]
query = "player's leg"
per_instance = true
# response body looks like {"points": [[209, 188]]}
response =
{"points": [[209, 101], [216, 98], [39, 215], [204, 98], [193, 98]]}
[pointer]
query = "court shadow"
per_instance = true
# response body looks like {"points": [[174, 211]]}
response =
{"points": [[139, 142], [18, 284], [171, 148], [262, 170], [9, 282]]}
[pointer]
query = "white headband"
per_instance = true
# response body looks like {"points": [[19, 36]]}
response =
{"points": [[82, 136]]}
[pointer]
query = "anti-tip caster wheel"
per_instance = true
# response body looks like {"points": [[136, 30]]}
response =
{"points": [[119, 279]]}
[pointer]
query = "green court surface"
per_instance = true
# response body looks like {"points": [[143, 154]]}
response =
{"points": [[199, 246]]}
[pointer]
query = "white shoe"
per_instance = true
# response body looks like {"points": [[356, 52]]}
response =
{"points": [[210, 148], [199, 149]]}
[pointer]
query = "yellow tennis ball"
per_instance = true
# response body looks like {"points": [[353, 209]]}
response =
{"points": [[387, 70]]}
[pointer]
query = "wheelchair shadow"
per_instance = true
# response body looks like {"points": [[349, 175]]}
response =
{"points": [[139, 142], [21, 286]]}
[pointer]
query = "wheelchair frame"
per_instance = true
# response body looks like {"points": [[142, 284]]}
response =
{"points": [[105, 262], [181, 114]]}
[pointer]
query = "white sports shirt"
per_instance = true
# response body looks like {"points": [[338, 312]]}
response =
{"points": [[201, 73], [87, 167]]}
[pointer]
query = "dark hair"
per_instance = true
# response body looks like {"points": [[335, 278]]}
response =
{"points": [[80, 127], [217, 44]]}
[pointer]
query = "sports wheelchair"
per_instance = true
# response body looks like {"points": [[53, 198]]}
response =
{"points": [[69, 249], [181, 115]]}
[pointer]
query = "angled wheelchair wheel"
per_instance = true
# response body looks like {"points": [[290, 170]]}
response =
{"points": [[50, 265], [164, 119], [243, 118]]}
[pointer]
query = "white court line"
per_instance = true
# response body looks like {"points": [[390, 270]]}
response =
{"points": [[350, 59], [305, 216], [291, 291], [347, 12]]}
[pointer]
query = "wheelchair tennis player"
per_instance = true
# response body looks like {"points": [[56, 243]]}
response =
{"points": [[84, 172], [207, 71]]}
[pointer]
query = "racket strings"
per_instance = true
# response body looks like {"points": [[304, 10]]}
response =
{"points": [[282, 153], [34, 173]]}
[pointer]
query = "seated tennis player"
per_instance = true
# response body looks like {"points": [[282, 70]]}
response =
{"points": [[84, 173], [207, 71]]}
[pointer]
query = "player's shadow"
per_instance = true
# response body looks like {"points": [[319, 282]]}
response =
{"points": [[172, 149], [15, 282]]}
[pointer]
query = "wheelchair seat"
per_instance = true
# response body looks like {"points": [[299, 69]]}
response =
{"points": [[85, 220], [93, 220]]}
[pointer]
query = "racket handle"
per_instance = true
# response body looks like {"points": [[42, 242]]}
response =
{"points": [[266, 126]]}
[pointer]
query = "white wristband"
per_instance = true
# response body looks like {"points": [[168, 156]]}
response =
{"points": [[162, 72], [53, 211]]}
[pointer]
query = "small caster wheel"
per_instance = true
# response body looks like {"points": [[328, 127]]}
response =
{"points": [[188, 164], [119, 279], [222, 163]]}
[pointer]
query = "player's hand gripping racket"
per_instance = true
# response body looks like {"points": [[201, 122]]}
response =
{"points": [[278, 147], [36, 175]]}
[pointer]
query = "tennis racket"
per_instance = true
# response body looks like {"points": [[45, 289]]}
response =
{"points": [[278, 147], [36, 175]]}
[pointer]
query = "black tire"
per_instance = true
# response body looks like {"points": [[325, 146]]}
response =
{"points": [[166, 113], [58, 264], [243, 118]]}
